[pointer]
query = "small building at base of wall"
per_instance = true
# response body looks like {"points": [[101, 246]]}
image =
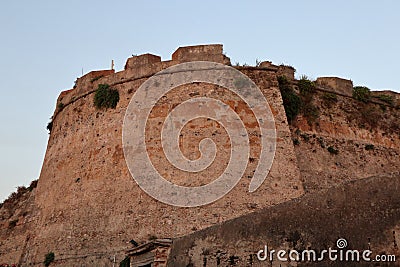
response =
{"points": [[151, 254]]}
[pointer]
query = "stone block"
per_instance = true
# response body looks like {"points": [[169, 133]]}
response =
{"points": [[142, 60], [336, 85], [200, 53]]}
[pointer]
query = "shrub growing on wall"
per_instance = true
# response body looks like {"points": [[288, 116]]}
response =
{"points": [[306, 87], [294, 103], [106, 97], [307, 91], [48, 259], [291, 101], [361, 93], [333, 150]]}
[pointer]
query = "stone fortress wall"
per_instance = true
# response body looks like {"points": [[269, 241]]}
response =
{"points": [[87, 206]]}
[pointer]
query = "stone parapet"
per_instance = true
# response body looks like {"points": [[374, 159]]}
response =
{"points": [[336, 85]]}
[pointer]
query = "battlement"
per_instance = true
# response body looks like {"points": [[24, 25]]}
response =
{"points": [[90, 77], [142, 60], [141, 66], [146, 65], [337, 85], [281, 70], [201, 53]]}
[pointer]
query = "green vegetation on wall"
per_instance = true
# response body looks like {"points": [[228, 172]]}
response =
{"points": [[388, 99], [333, 150], [361, 93], [303, 103], [48, 259], [291, 101], [106, 97], [307, 92], [306, 86], [60, 105]]}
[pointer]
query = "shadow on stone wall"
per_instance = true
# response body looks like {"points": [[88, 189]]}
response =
{"points": [[365, 212]]}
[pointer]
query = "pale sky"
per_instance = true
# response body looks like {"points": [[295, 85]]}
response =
{"points": [[46, 44]]}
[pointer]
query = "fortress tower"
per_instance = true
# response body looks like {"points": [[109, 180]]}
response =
{"points": [[89, 202]]}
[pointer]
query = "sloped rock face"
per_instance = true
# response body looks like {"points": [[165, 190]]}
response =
{"points": [[17, 223], [365, 136]]}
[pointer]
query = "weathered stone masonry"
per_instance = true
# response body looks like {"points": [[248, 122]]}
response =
{"points": [[87, 206]]}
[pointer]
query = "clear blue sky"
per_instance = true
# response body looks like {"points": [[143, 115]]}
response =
{"points": [[45, 44]]}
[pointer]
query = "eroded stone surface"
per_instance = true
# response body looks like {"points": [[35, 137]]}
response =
{"points": [[87, 206]]}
